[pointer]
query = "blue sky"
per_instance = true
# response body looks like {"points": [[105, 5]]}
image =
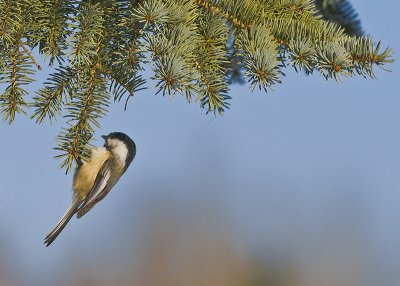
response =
{"points": [[284, 172]]}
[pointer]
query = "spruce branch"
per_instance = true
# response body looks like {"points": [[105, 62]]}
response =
{"points": [[32, 58], [85, 108], [49, 99], [260, 57], [53, 18], [98, 51], [16, 74], [342, 13]]}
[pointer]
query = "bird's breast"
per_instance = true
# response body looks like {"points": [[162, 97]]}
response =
{"points": [[86, 174]]}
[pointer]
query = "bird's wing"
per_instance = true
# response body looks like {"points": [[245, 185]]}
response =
{"points": [[98, 191]]}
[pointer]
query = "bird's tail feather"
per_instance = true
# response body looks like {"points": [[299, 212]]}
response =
{"points": [[63, 222]]}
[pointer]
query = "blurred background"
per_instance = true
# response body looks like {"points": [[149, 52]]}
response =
{"points": [[299, 187]]}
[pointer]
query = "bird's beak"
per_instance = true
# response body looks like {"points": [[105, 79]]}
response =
{"points": [[104, 137]]}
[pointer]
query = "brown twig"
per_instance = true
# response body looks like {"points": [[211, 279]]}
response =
{"points": [[31, 57]]}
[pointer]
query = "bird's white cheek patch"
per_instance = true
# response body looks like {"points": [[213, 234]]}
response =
{"points": [[121, 152]]}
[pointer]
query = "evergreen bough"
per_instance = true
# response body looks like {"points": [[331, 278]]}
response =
{"points": [[98, 51]]}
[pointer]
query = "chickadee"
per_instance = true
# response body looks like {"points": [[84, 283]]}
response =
{"points": [[96, 177]]}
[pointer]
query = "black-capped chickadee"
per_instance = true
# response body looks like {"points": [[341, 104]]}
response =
{"points": [[96, 177]]}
